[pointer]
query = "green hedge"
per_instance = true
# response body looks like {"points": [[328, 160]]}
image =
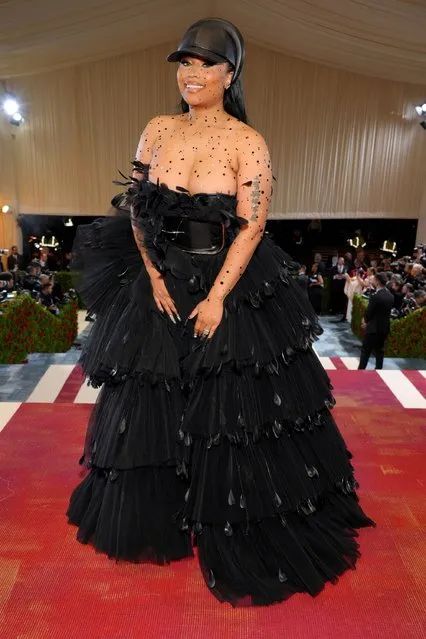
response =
{"points": [[407, 336], [64, 278], [27, 327]]}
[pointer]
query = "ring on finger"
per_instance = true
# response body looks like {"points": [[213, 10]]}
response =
{"points": [[206, 331]]}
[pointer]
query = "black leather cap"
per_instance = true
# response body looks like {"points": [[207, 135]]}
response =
{"points": [[214, 40]]}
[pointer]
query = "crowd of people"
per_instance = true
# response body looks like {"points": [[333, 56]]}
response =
{"points": [[349, 274], [37, 280]]}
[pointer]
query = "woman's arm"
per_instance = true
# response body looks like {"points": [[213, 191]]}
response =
{"points": [[144, 155], [162, 298], [254, 190]]}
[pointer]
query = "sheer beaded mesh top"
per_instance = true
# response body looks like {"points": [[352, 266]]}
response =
{"points": [[144, 169]]}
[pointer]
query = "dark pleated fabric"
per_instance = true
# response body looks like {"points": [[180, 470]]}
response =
{"points": [[228, 444]]}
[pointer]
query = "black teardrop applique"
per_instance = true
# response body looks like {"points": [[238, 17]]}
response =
{"points": [[268, 290], [312, 471], [277, 399], [211, 582], [184, 524], [193, 284], [113, 475], [228, 529], [282, 576], [277, 500], [231, 498], [242, 502], [277, 428], [122, 426], [216, 439]]}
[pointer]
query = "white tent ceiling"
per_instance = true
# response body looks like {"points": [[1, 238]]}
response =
{"points": [[382, 38]]}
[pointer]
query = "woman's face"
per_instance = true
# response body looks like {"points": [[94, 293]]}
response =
{"points": [[202, 83], [314, 268]]}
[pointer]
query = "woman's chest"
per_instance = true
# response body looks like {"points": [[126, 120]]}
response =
{"points": [[200, 162]]}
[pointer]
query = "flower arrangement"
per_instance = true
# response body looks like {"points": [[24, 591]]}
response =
{"points": [[407, 337], [28, 327]]}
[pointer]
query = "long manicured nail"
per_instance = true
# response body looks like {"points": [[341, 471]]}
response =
{"points": [[179, 318], [173, 319]]}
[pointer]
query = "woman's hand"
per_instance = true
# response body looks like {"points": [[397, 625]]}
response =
{"points": [[209, 314], [162, 297]]}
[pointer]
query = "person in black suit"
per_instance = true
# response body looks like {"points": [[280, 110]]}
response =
{"points": [[338, 298], [14, 260], [377, 322]]}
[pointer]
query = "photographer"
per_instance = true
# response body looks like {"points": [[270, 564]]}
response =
{"points": [[7, 284], [46, 297], [31, 281], [420, 298]]}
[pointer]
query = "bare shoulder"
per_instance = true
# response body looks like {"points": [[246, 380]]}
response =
{"points": [[158, 125], [249, 140]]}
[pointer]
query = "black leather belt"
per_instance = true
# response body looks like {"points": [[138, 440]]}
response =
{"points": [[194, 236]]}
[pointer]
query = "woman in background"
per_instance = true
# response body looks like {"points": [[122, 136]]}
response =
{"points": [[316, 289]]}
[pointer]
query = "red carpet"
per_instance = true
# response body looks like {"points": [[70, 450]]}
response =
{"points": [[52, 587]]}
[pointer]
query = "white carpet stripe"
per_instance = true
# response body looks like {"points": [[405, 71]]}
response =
{"points": [[7, 411], [87, 394], [351, 362], [51, 383], [405, 392], [423, 373], [82, 324], [327, 363]]}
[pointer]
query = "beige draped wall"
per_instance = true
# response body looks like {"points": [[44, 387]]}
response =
{"points": [[343, 145]]}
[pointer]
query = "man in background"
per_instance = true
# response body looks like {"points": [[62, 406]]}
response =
{"points": [[376, 323], [338, 298], [14, 260]]}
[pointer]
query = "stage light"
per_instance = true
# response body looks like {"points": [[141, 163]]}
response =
{"points": [[419, 110], [5, 208], [68, 222], [10, 106], [424, 107], [389, 246]]}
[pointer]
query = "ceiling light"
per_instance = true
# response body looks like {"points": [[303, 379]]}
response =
{"points": [[11, 106]]}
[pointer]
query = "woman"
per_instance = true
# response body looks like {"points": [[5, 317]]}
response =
{"points": [[213, 423], [315, 288]]}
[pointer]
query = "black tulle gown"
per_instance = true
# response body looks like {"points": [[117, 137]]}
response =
{"points": [[227, 445]]}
